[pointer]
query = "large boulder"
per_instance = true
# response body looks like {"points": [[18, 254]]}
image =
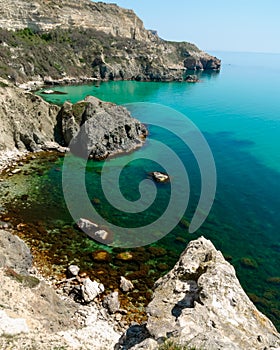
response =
{"points": [[96, 129], [200, 303]]}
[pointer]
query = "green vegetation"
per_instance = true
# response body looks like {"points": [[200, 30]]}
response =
{"points": [[3, 85], [27, 53], [28, 281]]}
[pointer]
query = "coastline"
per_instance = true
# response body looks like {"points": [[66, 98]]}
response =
{"points": [[48, 318]]}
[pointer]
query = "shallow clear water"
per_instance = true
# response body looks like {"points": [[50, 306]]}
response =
{"points": [[238, 112]]}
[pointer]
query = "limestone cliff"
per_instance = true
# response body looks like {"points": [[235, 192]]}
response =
{"points": [[50, 14], [49, 40]]}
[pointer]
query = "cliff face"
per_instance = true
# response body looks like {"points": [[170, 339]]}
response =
{"points": [[49, 14], [26, 120], [85, 39]]}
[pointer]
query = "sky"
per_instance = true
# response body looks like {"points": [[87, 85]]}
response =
{"points": [[216, 25]]}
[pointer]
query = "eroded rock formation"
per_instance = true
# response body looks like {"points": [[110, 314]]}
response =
{"points": [[200, 303], [99, 129]]}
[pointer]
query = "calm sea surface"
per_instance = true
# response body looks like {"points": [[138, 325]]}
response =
{"points": [[238, 111]]}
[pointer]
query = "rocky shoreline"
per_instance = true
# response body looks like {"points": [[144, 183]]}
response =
{"points": [[199, 303], [28, 123]]}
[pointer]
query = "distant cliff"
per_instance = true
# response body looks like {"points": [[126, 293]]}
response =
{"points": [[49, 40]]}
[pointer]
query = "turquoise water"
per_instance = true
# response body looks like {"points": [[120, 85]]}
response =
{"points": [[238, 112]]}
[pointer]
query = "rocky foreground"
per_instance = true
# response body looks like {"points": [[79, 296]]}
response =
{"points": [[199, 303]]}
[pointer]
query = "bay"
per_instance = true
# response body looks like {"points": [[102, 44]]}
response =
{"points": [[237, 110]]}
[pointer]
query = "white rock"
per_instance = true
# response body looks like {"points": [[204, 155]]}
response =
{"points": [[12, 326], [91, 289], [74, 270], [112, 303], [201, 302], [126, 285]]}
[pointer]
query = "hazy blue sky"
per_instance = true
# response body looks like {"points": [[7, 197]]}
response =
{"points": [[239, 25]]}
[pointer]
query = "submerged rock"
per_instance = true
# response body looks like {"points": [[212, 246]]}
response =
{"points": [[200, 303], [94, 232], [101, 256], [159, 176]]}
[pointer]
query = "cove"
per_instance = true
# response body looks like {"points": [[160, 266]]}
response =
{"points": [[238, 113]]}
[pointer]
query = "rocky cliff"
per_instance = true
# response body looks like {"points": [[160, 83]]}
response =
{"points": [[45, 15], [52, 40]]}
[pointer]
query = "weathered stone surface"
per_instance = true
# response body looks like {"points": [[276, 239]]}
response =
{"points": [[91, 289], [159, 176], [200, 303], [111, 302], [94, 232], [46, 15], [14, 253], [126, 285], [26, 120], [99, 129]]}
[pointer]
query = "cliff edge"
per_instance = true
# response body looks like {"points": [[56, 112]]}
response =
{"points": [[64, 41]]}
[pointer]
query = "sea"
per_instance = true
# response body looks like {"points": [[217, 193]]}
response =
{"points": [[224, 133]]}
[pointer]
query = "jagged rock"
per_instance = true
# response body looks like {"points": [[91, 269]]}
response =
{"points": [[192, 78], [200, 303], [126, 285], [73, 270], [111, 302], [99, 129], [91, 289]]}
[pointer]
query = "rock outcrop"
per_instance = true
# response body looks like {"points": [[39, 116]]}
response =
{"points": [[70, 41], [96, 129], [201, 304], [43, 15], [26, 121], [101, 129]]}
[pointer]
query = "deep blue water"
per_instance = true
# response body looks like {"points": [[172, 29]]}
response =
{"points": [[238, 112]]}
